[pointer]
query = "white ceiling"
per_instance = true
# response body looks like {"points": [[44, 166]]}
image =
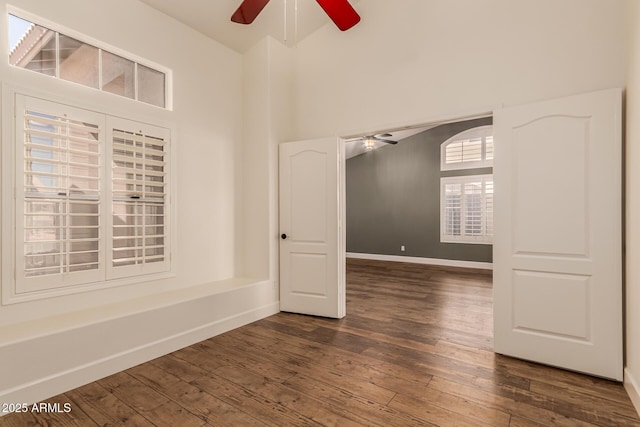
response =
{"points": [[213, 19]]}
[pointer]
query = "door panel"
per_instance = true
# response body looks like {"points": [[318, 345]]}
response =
{"points": [[558, 293], [562, 211], [557, 243], [312, 277], [308, 202]]}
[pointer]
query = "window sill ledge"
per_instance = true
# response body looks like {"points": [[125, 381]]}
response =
{"points": [[19, 332]]}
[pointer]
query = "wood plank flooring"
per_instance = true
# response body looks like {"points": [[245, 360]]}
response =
{"points": [[414, 350]]}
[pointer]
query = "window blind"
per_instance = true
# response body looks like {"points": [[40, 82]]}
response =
{"points": [[489, 148], [466, 150], [139, 198], [61, 194], [488, 207], [472, 148], [92, 199], [452, 209], [467, 209]]}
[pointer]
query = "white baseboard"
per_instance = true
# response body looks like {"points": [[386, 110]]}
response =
{"points": [[632, 386], [420, 260], [93, 351]]}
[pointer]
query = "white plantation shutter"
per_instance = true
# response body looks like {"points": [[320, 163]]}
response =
{"points": [[472, 208], [464, 151], [92, 196], [470, 149], [467, 209], [139, 198], [58, 231], [489, 148], [452, 208], [488, 208]]}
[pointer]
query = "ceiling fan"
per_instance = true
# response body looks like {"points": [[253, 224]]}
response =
{"points": [[370, 140], [340, 11]]}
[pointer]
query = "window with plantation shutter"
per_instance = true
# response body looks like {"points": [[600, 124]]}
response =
{"points": [[470, 149], [92, 194], [139, 198], [59, 191], [467, 209]]}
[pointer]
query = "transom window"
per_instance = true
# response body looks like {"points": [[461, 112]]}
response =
{"points": [[37, 48], [470, 149]]}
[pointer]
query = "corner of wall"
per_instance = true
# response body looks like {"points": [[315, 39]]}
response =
{"points": [[632, 209], [267, 99], [632, 386]]}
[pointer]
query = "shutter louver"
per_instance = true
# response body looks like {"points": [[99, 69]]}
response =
{"points": [[139, 172], [61, 195]]}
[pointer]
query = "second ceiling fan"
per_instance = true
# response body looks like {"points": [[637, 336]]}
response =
{"points": [[370, 141], [340, 11]]}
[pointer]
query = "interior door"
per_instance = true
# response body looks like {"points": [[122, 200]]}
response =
{"points": [[312, 272], [558, 219]]}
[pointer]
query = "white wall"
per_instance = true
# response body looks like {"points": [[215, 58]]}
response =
{"points": [[268, 121], [409, 61], [632, 371], [207, 80], [45, 344]]}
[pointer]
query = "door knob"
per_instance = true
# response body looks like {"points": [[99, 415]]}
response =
{"points": [[284, 236]]}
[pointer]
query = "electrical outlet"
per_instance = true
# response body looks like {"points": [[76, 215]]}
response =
{"points": [[402, 248]]}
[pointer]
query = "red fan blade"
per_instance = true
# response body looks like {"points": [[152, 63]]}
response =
{"points": [[341, 13], [248, 11]]}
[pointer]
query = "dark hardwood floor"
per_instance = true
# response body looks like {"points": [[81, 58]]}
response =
{"points": [[415, 349]]}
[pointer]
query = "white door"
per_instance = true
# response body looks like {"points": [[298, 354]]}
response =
{"points": [[557, 244], [312, 273]]}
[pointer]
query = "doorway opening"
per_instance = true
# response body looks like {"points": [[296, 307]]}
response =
{"points": [[419, 201]]}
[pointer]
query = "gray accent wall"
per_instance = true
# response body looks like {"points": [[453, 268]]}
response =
{"points": [[393, 198]]}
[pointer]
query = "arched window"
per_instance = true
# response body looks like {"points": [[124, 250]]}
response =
{"points": [[470, 149], [466, 201]]}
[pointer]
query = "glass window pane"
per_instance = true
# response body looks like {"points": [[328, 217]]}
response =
{"points": [[78, 62], [32, 46], [118, 75], [37, 48], [151, 86]]}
